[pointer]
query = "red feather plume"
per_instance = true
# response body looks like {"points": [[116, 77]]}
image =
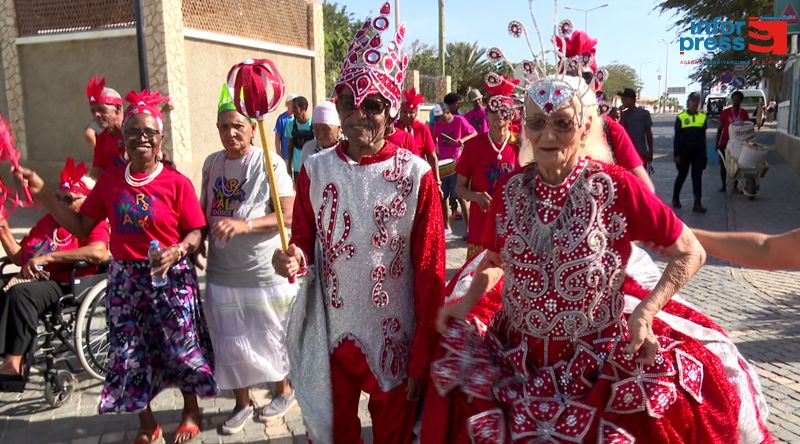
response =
{"points": [[411, 99], [505, 88], [94, 89], [145, 100], [576, 44], [72, 176], [10, 153]]}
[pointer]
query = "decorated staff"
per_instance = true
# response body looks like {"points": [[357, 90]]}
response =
{"points": [[259, 87]]}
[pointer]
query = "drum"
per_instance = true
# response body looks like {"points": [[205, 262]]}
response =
{"points": [[447, 167], [742, 130]]}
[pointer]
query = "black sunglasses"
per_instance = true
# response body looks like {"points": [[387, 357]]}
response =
{"points": [[69, 199], [136, 134], [370, 106]]}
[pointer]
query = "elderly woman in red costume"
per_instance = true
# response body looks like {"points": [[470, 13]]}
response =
{"points": [[157, 334], [577, 351], [46, 253]]}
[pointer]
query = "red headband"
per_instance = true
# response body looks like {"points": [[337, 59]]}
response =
{"points": [[146, 102], [411, 99], [72, 178], [94, 92]]}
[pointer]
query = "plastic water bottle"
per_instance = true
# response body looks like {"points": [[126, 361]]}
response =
{"points": [[156, 279]]}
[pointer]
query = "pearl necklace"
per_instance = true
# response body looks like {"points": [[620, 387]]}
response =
{"points": [[134, 182], [57, 243], [499, 151]]}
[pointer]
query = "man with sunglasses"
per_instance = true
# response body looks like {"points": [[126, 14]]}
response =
{"points": [[367, 216]]}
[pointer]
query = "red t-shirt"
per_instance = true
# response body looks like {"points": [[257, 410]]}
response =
{"points": [[479, 164], [422, 137], [647, 218], [624, 151], [403, 140], [726, 117], [109, 151], [47, 236], [164, 210]]}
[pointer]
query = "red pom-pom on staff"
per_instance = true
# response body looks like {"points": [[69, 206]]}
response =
{"points": [[10, 153]]}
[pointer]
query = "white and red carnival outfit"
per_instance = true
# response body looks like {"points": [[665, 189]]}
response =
{"points": [[550, 365], [373, 231]]}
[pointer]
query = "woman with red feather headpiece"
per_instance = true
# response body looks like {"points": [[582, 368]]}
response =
{"points": [[45, 256], [157, 333]]}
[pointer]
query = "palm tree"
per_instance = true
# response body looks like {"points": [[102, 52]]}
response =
{"points": [[466, 65]]}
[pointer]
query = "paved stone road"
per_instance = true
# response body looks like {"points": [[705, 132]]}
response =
{"points": [[760, 310]]}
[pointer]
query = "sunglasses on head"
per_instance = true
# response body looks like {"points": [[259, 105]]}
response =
{"points": [[69, 199], [370, 106], [561, 124], [136, 134]]}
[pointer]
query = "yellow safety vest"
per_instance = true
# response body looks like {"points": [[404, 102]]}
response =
{"points": [[692, 120]]}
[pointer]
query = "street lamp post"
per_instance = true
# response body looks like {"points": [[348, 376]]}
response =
{"points": [[586, 14], [666, 72], [640, 75]]}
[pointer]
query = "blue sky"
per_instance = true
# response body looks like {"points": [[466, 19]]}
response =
{"points": [[628, 30]]}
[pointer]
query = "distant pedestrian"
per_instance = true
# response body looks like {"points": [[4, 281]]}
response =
{"points": [[284, 120], [298, 132], [106, 107], [729, 115], [407, 121], [477, 115], [689, 151], [772, 109], [638, 124], [326, 128]]}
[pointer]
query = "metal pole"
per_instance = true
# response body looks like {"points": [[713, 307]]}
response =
{"points": [[586, 21], [441, 37], [396, 15], [666, 78], [144, 77]]}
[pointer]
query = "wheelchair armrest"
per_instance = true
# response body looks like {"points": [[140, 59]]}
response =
{"points": [[5, 261], [81, 264]]}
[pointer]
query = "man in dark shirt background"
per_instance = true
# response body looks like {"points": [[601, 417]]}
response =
{"points": [[638, 124]]}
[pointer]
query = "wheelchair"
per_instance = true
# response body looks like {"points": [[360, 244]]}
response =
{"points": [[78, 322]]}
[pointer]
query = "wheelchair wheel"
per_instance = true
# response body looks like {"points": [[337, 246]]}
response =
{"points": [[59, 389], [91, 332]]}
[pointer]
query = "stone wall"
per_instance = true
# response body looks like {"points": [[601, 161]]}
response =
{"points": [[207, 66]]}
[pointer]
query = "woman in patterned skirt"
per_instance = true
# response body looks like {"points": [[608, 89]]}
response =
{"points": [[157, 334]]}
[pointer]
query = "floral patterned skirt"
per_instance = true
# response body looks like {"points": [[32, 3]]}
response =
{"points": [[157, 337]]}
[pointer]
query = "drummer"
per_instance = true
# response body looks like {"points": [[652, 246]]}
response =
{"points": [[450, 132]]}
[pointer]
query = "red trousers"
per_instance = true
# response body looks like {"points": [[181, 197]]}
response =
{"points": [[392, 414]]}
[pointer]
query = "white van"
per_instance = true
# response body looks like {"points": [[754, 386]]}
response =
{"points": [[753, 98]]}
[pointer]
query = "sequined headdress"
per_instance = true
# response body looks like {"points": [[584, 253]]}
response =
{"points": [[549, 90], [375, 65]]}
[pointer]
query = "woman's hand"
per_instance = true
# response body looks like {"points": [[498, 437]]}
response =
{"points": [[28, 178], [225, 229], [452, 311], [287, 263], [31, 268], [482, 199], [165, 260], [200, 256], [642, 337]]}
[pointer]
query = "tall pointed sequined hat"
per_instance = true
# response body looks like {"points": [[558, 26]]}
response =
{"points": [[375, 62]]}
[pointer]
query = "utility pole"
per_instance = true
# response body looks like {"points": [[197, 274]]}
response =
{"points": [[441, 37], [666, 73], [396, 15]]}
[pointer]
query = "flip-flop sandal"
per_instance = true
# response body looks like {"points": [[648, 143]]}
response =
{"points": [[192, 429], [155, 435]]}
